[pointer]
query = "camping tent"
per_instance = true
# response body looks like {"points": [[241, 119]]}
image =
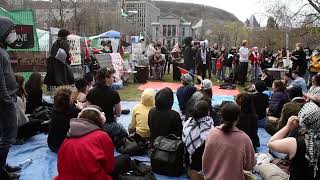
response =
{"points": [[111, 34]]}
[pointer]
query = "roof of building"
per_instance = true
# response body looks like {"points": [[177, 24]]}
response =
{"points": [[173, 16], [252, 22]]}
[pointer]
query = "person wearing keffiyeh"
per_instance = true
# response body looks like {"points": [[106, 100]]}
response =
{"points": [[303, 151], [194, 134]]}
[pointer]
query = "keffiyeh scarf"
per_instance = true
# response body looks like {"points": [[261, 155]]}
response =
{"points": [[310, 115], [195, 132]]}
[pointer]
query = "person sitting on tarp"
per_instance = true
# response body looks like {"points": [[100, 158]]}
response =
{"points": [[185, 92], [108, 100], [157, 63], [107, 47], [63, 111], [139, 121], [88, 152]]}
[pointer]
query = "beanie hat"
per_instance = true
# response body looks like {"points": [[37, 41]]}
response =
{"points": [[206, 84], [63, 33], [186, 79]]}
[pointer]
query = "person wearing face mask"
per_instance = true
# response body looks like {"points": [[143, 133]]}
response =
{"points": [[299, 62], [95, 152], [8, 91], [314, 65]]}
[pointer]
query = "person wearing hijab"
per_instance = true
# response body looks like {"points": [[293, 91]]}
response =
{"points": [[162, 120], [176, 61], [304, 150]]}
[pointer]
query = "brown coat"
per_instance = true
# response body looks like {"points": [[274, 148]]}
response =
{"points": [[227, 155]]}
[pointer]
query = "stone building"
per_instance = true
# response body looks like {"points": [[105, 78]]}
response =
{"points": [[170, 29], [147, 12]]}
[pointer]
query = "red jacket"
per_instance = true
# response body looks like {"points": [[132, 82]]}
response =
{"points": [[86, 158], [255, 59]]}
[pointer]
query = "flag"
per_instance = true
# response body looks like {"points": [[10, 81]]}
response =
{"points": [[183, 71]]}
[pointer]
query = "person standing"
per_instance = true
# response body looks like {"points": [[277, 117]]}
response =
{"points": [[299, 62], [314, 65], [8, 91], [214, 57], [188, 54], [202, 58], [58, 70], [243, 59], [255, 60]]}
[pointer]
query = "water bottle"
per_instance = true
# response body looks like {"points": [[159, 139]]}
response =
{"points": [[25, 163]]}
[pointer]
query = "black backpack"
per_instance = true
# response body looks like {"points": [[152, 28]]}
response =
{"points": [[167, 156], [137, 171]]}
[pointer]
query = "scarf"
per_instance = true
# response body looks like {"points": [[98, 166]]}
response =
{"points": [[176, 48], [195, 132], [310, 114], [204, 56]]}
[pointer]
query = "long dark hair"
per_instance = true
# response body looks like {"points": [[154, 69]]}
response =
{"points": [[34, 84], [230, 114], [200, 110], [280, 86], [244, 100]]}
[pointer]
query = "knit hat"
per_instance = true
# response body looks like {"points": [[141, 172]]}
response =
{"points": [[63, 33], [309, 114], [186, 79], [206, 84]]}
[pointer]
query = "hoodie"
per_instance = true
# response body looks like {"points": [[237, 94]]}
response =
{"points": [[8, 84], [162, 120], [85, 143], [140, 112]]}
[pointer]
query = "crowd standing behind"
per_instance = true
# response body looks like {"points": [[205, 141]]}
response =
{"points": [[219, 144]]}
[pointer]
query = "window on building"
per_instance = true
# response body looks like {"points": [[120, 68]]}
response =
{"points": [[164, 30], [169, 30], [174, 31], [157, 31], [183, 32]]}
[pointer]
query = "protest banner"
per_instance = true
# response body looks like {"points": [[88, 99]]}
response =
{"points": [[118, 65], [136, 51]]}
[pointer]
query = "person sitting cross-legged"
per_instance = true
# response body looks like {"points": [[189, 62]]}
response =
{"points": [[228, 150], [88, 152]]}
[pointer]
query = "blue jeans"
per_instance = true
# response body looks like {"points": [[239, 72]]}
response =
{"points": [[8, 129]]}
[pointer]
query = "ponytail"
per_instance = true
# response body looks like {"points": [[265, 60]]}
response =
{"points": [[227, 127]]}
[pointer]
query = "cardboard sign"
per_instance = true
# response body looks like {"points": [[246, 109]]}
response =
{"points": [[136, 51], [118, 65], [104, 60], [25, 37], [75, 50]]}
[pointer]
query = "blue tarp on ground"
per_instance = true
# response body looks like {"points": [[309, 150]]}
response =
{"points": [[44, 165]]}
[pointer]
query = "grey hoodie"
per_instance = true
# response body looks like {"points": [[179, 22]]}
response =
{"points": [[8, 84], [80, 127]]}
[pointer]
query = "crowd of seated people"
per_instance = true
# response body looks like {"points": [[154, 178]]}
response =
{"points": [[84, 119]]}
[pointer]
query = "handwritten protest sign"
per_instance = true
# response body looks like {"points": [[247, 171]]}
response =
{"points": [[118, 65], [75, 50], [136, 51]]}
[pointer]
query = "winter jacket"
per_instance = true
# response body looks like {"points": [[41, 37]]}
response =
{"points": [[278, 99], [300, 83], [162, 120], [290, 109], [300, 62], [189, 62], [184, 93], [255, 59], [140, 112], [199, 59], [59, 126], [248, 123], [315, 64], [87, 153], [8, 84], [59, 73]]}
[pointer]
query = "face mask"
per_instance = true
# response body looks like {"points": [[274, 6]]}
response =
{"points": [[11, 38]]}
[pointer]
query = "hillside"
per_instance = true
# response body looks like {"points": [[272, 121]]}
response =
{"points": [[194, 12]]}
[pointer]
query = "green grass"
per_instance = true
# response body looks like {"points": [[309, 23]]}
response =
{"points": [[130, 92]]}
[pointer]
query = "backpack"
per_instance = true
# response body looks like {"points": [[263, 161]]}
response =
{"points": [[167, 155], [137, 171], [128, 145]]}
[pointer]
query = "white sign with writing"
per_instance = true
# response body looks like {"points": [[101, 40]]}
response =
{"points": [[75, 49], [136, 51], [118, 65]]}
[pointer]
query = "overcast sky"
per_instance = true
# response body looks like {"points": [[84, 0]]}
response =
{"points": [[242, 9]]}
